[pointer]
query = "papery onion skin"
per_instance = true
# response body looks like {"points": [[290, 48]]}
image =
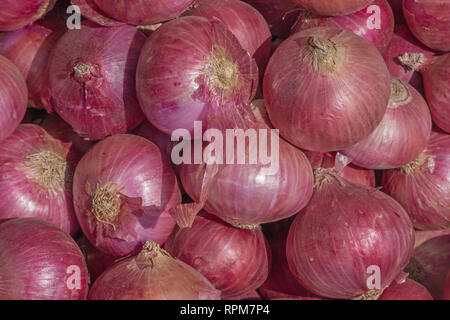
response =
{"points": [[422, 186], [407, 290], [152, 275], [36, 171], [345, 229], [401, 136], [212, 76], [13, 97], [123, 190], [429, 22], [38, 261], [332, 8], [359, 23], [326, 100], [91, 81], [235, 260], [18, 14]]}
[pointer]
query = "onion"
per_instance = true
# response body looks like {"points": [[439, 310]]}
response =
{"points": [[407, 290], [152, 275], [429, 21], [38, 261], [397, 7], [361, 23], [350, 241], [332, 93], [162, 140], [123, 189], [13, 97], [332, 8], [252, 295], [28, 48], [36, 177], [91, 80], [235, 260], [18, 14], [401, 136], [423, 186], [446, 295], [90, 10]]}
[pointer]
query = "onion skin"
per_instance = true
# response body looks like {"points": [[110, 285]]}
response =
{"points": [[345, 229], [356, 22], [92, 12], [429, 22], [39, 171], [152, 275], [407, 290], [323, 106], [332, 8], [35, 257], [13, 97], [90, 80], [401, 136], [162, 140], [131, 171], [422, 187], [15, 15], [234, 260]]}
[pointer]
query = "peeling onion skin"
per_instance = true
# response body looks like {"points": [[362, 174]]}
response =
{"points": [[235, 260], [345, 229], [35, 257], [429, 21], [408, 290], [422, 187], [31, 188], [332, 8], [326, 100], [17, 14], [90, 80], [355, 22], [133, 170], [152, 275]]}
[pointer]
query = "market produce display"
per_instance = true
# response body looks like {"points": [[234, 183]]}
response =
{"points": [[225, 150]]}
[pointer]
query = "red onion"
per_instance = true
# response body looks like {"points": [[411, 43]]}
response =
{"points": [[397, 7], [123, 189], [162, 140], [407, 290], [332, 8], [252, 295], [429, 21], [423, 186], [401, 136], [332, 93], [446, 295], [235, 260], [38, 261], [203, 74], [152, 275], [36, 171], [350, 241], [18, 14], [377, 27], [91, 80], [258, 108], [13, 97], [90, 10]]}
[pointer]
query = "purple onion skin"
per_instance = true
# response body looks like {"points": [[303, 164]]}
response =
{"points": [[26, 192], [13, 97], [408, 290], [332, 8], [91, 80], [422, 187], [17, 14], [92, 12], [357, 23], [162, 140], [144, 182], [37, 262]]}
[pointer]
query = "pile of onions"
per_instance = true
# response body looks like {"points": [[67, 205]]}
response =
{"points": [[326, 89], [92, 85], [17, 14], [152, 275], [332, 8], [346, 234], [37, 171], [123, 189], [423, 185], [235, 260], [38, 261], [29, 48], [429, 21], [193, 69], [13, 97], [97, 261], [401, 136], [406, 290], [358, 22]]}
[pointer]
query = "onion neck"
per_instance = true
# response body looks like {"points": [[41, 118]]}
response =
{"points": [[370, 295], [323, 176], [106, 203], [413, 61], [246, 226], [85, 72], [323, 54], [149, 253], [415, 165], [400, 94]]}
